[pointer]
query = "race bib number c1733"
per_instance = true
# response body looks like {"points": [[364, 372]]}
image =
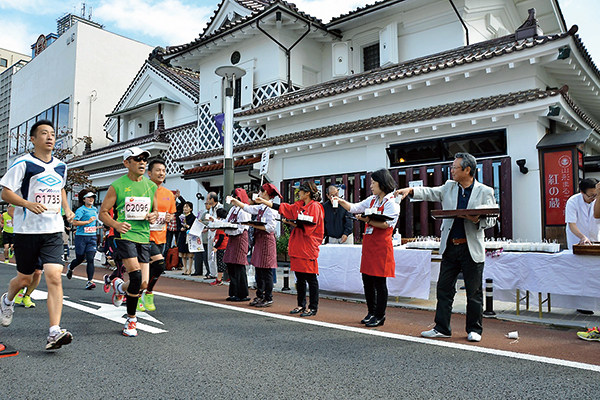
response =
{"points": [[51, 200], [137, 208]]}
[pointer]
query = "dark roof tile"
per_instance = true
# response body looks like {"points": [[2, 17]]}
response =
{"points": [[439, 111]]}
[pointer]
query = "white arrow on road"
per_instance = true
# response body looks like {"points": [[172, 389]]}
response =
{"points": [[108, 311]]}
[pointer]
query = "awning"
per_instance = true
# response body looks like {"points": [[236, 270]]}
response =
{"points": [[564, 139], [142, 106], [217, 169]]}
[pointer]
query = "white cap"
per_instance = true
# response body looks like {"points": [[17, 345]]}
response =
{"points": [[89, 194], [135, 151]]}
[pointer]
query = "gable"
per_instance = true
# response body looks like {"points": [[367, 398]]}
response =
{"points": [[228, 11]]}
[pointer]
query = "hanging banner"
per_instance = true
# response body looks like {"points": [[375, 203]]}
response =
{"points": [[558, 184], [264, 162]]}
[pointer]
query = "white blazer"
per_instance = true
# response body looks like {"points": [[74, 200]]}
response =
{"points": [[447, 194]]}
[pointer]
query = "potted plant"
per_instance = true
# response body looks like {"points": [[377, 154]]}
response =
{"points": [[282, 244]]}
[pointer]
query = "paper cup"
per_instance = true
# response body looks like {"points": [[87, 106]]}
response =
{"points": [[335, 204], [254, 196], [513, 335], [228, 200]]}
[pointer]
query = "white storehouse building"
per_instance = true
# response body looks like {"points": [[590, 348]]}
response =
{"points": [[400, 84]]}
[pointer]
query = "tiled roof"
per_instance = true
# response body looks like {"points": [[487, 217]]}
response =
{"points": [[382, 121], [219, 166], [246, 20], [156, 137], [186, 79], [463, 55], [251, 5]]}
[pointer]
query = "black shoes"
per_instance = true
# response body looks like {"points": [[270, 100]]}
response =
{"points": [[69, 272], [309, 313], [367, 318], [235, 298], [375, 322], [298, 310]]}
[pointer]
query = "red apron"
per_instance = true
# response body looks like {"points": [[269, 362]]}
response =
{"points": [[377, 257], [237, 246], [264, 254]]}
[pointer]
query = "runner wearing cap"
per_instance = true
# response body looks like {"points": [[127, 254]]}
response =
{"points": [[134, 197], [34, 184], [86, 221], [264, 255], [165, 205]]}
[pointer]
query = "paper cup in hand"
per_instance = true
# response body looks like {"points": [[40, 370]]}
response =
{"points": [[513, 335], [228, 199], [254, 196], [335, 203]]}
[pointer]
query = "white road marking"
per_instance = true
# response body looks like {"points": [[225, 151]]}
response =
{"points": [[364, 331], [108, 311]]}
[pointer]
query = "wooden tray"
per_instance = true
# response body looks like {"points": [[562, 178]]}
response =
{"points": [[254, 223], [378, 217], [483, 212], [587, 249]]}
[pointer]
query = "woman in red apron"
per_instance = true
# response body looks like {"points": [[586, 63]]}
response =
{"points": [[303, 247], [264, 254], [236, 253], [377, 260]]}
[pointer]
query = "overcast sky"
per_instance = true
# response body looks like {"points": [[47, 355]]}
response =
{"points": [[172, 22]]}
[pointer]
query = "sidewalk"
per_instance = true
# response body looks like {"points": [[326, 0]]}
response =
{"points": [[559, 317]]}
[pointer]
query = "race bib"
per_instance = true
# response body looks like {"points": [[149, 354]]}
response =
{"points": [[89, 229], [51, 200], [137, 208], [160, 223], [9, 223]]}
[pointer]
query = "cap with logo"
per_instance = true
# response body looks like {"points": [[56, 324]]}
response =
{"points": [[135, 151]]}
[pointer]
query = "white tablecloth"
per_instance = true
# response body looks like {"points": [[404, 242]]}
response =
{"points": [[573, 280], [339, 271]]}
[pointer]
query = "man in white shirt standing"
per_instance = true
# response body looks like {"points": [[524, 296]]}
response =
{"points": [[582, 227]]}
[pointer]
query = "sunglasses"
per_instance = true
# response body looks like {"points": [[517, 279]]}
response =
{"points": [[139, 159]]}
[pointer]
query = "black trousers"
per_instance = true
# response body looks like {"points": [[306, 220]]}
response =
{"points": [[376, 294], [201, 259], [238, 280], [264, 283], [456, 259], [302, 279]]}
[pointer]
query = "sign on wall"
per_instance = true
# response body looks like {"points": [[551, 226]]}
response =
{"points": [[558, 184]]}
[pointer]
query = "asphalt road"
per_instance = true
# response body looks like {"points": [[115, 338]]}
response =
{"points": [[213, 350]]}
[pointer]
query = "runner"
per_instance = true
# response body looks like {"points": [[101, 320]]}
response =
{"points": [[133, 197], [35, 185], [85, 236], [165, 205], [8, 233]]}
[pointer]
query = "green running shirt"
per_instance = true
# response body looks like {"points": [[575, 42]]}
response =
{"points": [[134, 200], [8, 223]]}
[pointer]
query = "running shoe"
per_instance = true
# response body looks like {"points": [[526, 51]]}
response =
{"points": [[19, 298], [6, 312], [265, 303], [140, 305], [90, 285], [592, 334], [62, 338], [255, 301], [69, 272], [6, 261], [216, 282], [11, 253], [130, 328], [106, 286], [148, 300], [27, 302], [117, 297]]}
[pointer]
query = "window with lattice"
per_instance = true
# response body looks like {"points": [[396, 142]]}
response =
{"points": [[371, 57]]}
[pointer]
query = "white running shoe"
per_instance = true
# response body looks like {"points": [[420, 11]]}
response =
{"points": [[117, 297], [433, 334], [130, 328], [474, 337], [6, 311], [62, 338]]}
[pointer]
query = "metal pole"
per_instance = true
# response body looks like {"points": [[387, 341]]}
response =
{"points": [[228, 143], [489, 298]]}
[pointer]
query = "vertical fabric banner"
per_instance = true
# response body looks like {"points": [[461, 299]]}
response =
{"points": [[558, 185]]}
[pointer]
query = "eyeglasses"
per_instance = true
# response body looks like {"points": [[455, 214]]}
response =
{"points": [[139, 159], [590, 197], [454, 167]]}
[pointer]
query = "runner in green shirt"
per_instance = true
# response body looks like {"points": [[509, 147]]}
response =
{"points": [[134, 198]]}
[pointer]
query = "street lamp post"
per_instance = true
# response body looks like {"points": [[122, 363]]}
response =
{"points": [[230, 73]]}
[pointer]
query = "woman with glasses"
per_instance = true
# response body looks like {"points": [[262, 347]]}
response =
{"points": [[380, 213]]}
